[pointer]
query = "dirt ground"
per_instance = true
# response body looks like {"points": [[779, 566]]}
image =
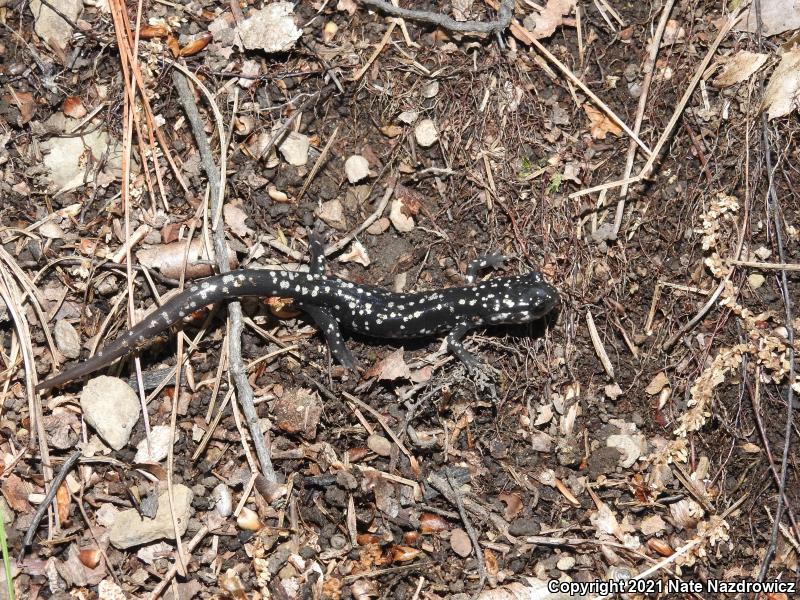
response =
{"points": [[639, 430]]}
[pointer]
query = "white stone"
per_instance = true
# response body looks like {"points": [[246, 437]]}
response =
{"points": [[408, 116], [431, 89], [425, 133], [111, 408], [294, 149], [130, 529], [756, 280], [159, 446], [356, 168], [67, 339]]}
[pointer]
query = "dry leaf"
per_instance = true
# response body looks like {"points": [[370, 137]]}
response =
{"points": [[15, 491], [25, 102], [652, 525], [357, 254], [657, 384], [63, 500], [599, 124], [235, 219], [169, 259], [660, 546], [545, 23], [460, 543], [391, 131], [513, 505], [739, 68], [73, 107], [431, 523], [783, 90], [390, 368], [196, 45], [404, 553], [149, 32]]}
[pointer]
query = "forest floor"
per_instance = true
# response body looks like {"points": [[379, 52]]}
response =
{"points": [[642, 156]]}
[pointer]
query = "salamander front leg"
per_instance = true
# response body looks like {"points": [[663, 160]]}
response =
{"points": [[455, 345], [316, 247], [482, 373], [333, 336], [494, 260]]}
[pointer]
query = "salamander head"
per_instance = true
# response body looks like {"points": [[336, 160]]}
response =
{"points": [[519, 300]]}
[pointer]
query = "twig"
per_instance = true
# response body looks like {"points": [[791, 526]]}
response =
{"points": [[44, 504], [774, 209], [473, 537], [504, 15], [378, 49], [763, 265], [318, 164], [244, 392], [649, 69], [333, 248], [598, 345]]}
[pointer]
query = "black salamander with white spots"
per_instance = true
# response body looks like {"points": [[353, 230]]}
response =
{"points": [[333, 303]]}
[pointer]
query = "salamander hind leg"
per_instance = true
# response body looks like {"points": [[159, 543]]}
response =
{"points": [[494, 260], [333, 336]]}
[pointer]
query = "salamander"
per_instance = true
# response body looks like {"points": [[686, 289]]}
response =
{"points": [[332, 302]]}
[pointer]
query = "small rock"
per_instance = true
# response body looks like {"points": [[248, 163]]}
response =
{"points": [[356, 168], [379, 226], [223, 501], [630, 447], [401, 221], [67, 339], [51, 230], [332, 213], [603, 461], [298, 411], [248, 520], [460, 543], [130, 529], [524, 526], [425, 133], [565, 563], [756, 280], [408, 116], [568, 453], [111, 408], [271, 29], [379, 445], [431, 89], [763, 253], [294, 149], [159, 446], [51, 26]]}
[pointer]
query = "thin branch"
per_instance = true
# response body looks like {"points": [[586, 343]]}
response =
{"points": [[504, 15], [244, 393]]}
